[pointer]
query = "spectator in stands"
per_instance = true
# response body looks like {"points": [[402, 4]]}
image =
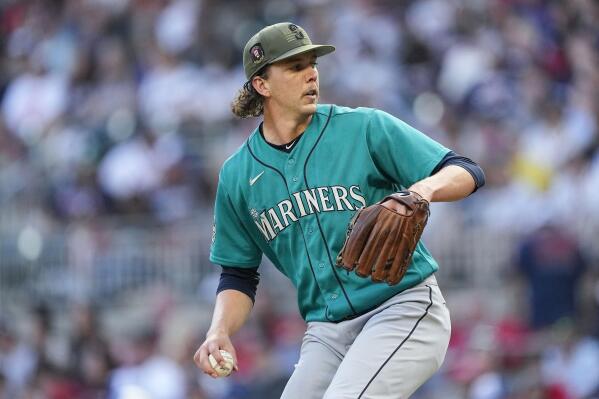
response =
{"points": [[18, 360], [552, 265], [570, 364], [145, 372], [89, 358]]}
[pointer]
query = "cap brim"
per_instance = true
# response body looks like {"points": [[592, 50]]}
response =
{"points": [[319, 50]]}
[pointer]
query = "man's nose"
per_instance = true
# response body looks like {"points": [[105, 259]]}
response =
{"points": [[312, 74]]}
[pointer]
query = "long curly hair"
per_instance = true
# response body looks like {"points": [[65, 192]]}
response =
{"points": [[248, 102]]}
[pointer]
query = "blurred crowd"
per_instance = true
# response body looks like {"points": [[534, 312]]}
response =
{"points": [[120, 110]]}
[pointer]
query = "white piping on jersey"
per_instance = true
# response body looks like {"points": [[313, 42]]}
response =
{"points": [[253, 180]]}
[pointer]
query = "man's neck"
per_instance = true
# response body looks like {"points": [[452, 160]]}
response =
{"points": [[281, 130]]}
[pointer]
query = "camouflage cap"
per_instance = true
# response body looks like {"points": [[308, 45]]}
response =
{"points": [[278, 42]]}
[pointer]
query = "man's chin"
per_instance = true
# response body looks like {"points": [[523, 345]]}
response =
{"points": [[309, 109]]}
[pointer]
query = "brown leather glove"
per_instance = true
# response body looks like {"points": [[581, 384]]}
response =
{"points": [[380, 241]]}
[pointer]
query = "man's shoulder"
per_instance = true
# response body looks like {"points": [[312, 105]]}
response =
{"points": [[236, 161], [340, 111]]}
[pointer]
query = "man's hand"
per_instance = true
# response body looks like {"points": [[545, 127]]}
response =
{"points": [[382, 237], [400, 208], [231, 310], [215, 340]]}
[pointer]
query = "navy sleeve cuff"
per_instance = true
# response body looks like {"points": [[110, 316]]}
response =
{"points": [[472, 167], [241, 279]]}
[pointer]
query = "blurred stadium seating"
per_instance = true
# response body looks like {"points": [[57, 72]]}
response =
{"points": [[114, 121]]}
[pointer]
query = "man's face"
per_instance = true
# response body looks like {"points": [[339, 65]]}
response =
{"points": [[293, 84]]}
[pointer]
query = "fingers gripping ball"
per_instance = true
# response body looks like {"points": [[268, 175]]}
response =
{"points": [[380, 241], [225, 369]]}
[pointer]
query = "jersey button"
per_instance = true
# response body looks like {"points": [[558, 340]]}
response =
{"points": [[333, 296], [295, 179], [310, 231], [321, 265], [291, 161]]}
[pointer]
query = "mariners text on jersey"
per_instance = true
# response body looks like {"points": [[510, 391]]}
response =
{"points": [[321, 199]]}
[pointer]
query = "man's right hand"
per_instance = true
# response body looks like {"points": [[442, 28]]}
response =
{"points": [[215, 341], [231, 310]]}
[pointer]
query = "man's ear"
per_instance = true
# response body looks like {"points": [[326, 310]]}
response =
{"points": [[261, 86]]}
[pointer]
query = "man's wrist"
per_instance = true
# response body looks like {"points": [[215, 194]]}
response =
{"points": [[423, 190], [218, 331]]}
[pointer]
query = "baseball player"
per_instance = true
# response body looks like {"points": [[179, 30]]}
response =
{"points": [[305, 174]]}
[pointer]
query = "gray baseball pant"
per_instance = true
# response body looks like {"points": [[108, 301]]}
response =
{"points": [[386, 353]]}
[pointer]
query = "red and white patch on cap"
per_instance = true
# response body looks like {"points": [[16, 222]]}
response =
{"points": [[257, 53]]}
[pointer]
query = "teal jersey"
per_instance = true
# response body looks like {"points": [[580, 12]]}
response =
{"points": [[295, 207]]}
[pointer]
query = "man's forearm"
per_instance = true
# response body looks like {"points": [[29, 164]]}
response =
{"points": [[451, 183], [231, 310]]}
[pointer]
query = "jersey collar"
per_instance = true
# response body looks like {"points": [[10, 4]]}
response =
{"points": [[270, 154]]}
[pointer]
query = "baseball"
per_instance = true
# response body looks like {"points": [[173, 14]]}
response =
{"points": [[225, 369]]}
